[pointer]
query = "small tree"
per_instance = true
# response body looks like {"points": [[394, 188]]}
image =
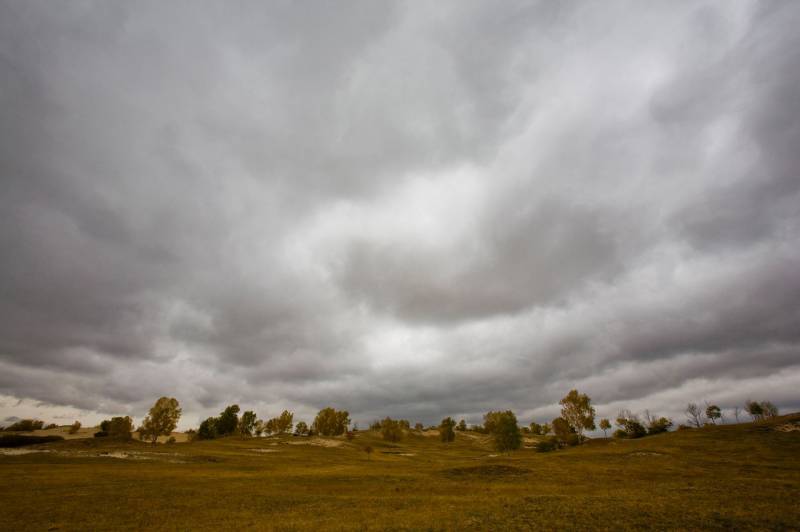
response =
{"points": [[462, 426], [658, 425], [391, 430], [604, 426], [713, 413], [577, 409], [285, 421], [536, 428], [630, 426], [736, 411], [418, 427], [694, 415], [247, 424], [504, 430], [259, 428], [755, 410], [301, 429], [768, 409], [161, 420], [446, 432], [546, 429], [75, 427], [564, 432]]}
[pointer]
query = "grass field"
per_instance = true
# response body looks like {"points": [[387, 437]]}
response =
{"points": [[728, 477]]}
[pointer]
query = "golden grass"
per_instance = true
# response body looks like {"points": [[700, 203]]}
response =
{"points": [[730, 477]]}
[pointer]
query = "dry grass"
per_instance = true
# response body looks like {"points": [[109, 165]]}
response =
{"points": [[729, 477]]}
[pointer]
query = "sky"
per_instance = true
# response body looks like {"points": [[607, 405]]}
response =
{"points": [[412, 209]]}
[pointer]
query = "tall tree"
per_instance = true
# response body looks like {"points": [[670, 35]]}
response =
{"points": [[247, 424], [577, 409], [755, 410], [228, 421], [161, 420], [605, 425], [331, 422]]}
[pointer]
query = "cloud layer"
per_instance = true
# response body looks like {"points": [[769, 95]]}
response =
{"points": [[398, 209]]}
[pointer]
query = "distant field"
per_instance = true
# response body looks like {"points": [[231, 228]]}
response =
{"points": [[729, 477]]}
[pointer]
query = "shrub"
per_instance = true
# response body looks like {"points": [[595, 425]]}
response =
{"points": [[391, 430], [19, 440], [51, 426], [657, 426], [504, 430], [171, 439], [630, 425], [101, 434], [619, 433], [545, 446], [446, 432], [462, 426], [562, 430], [418, 427], [118, 427], [75, 427]]}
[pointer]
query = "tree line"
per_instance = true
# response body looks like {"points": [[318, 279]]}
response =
{"points": [[577, 416]]}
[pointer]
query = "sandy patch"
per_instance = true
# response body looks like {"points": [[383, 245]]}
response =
{"points": [[17, 452], [263, 450], [319, 442], [645, 453], [788, 427]]}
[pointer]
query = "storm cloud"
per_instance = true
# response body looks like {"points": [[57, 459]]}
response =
{"points": [[396, 208]]}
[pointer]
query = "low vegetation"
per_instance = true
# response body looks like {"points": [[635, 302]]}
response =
{"points": [[719, 477]]}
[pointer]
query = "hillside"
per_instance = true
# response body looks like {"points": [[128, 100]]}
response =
{"points": [[728, 477]]}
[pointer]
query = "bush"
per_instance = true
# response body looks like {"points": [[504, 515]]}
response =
{"points": [[117, 427], [504, 430], [545, 446], [657, 426], [619, 433], [75, 427], [26, 425], [171, 439], [446, 432], [19, 440], [101, 434], [391, 430], [51, 426]]}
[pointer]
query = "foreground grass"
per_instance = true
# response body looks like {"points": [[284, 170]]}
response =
{"points": [[729, 477]]}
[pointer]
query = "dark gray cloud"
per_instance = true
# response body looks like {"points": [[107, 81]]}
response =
{"points": [[398, 209]]}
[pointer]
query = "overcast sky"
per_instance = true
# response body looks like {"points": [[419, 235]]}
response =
{"points": [[414, 209]]}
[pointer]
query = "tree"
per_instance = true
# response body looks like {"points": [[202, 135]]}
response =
{"points": [[118, 427], [418, 427], [694, 415], [713, 413], [301, 429], [546, 429], [161, 420], [75, 427], [391, 430], [462, 426], [658, 425], [228, 421], [536, 428], [564, 432], [259, 428], [604, 426], [446, 432], [247, 424], [504, 430], [208, 429], [285, 422], [736, 411], [755, 409], [630, 426], [769, 409], [330, 422], [26, 425], [577, 409]]}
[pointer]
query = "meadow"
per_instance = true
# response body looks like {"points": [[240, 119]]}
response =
{"points": [[744, 476]]}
